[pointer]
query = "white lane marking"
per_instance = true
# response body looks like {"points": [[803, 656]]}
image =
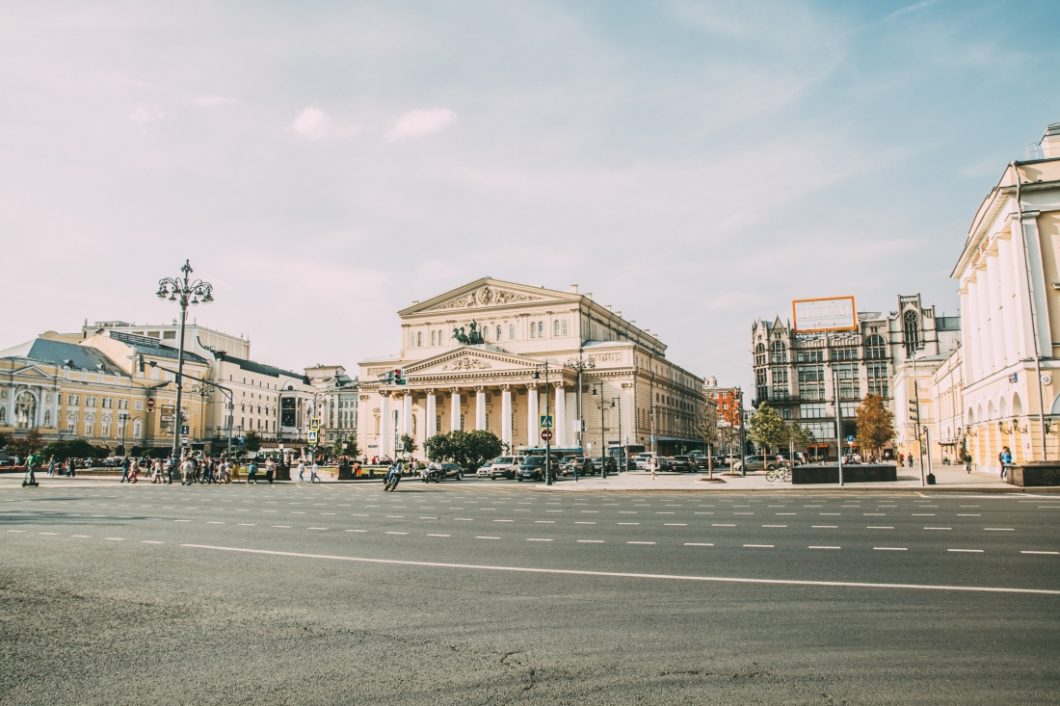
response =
{"points": [[822, 546], [51, 534], [941, 529], [395, 517], [438, 535], [627, 512], [359, 514], [281, 526], [785, 513], [966, 551], [115, 539], [640, 542], [463, 519], [891, 549], [675, 524], [834, 514], [359, 531], [670, 512], [538, 539], [1028, 551], [879, 527], [743, 513], [699, 544], [998, 529], [824, 526], [969, 514], [759, 546], [150, 541], [544, 522], [499, 520], [590, 541], [427, 517], [874, 514], [707, 512], [721, 524], [399, 533], [483, 536], [247, 524], [214, 522], [583, 522], [81, 536], [628, 523], [775, 526], [182, 520], [922, 514]]}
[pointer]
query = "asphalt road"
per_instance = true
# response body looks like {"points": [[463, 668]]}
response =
{"points": [[498, 593]]}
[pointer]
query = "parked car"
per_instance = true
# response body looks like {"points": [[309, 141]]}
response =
{"points": [[484, 470], [682, 464], [504, 467], [532, 468], [438, 472], [753, 464], [643, 460]]}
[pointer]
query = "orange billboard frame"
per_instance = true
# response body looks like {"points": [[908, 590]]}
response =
{"points": [[824, 315]]}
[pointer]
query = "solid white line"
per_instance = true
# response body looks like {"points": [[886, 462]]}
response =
{"points": [[891, 549], [1033, 552], [819, 546], [631, 575], [966, 551]]}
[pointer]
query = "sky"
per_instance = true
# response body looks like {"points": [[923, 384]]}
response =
{"points": [[696, 165]]}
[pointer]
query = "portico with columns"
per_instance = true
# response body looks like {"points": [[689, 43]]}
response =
{"points": [[519, 370]]}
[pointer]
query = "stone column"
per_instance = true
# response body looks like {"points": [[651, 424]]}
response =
{"points": [[480, 409], [431, 427], [531, 415], [406, 414], [559, 422], [454, 410], [386, 429], [506, 415]]}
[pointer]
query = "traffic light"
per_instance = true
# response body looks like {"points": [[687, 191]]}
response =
{"points": [[913, 409], [397, 379]]}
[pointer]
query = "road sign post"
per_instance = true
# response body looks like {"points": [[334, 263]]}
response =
{"points": [[546, 435]]}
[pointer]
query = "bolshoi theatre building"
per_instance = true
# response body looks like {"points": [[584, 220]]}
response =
{"points": [[503, 357]]}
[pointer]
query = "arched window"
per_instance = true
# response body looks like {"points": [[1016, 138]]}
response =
{"points": [[541, 329], [533, 329], [911, 328], [778, 352], [498, 332], [555, 327], [760, 354], [511, 332], [875, 348], [138, 428]]}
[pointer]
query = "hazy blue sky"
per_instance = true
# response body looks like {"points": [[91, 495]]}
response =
{"points": [[696, 165]]}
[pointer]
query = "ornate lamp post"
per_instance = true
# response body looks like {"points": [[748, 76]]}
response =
{"points": [[183, 291], [580, 365]]}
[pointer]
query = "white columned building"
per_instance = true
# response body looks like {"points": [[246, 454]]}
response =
{"points": [[487, 342]]}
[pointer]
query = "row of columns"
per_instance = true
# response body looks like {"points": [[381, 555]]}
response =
{"points": [[389, 434]]}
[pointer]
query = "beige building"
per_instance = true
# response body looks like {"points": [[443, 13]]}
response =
{"points": [[533, 343], [1009, 280]]}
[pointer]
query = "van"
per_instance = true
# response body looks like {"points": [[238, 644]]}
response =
{"points": [[644, 460], [504, 467]]}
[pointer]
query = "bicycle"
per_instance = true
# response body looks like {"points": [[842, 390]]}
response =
{"points": [[782, 473]]}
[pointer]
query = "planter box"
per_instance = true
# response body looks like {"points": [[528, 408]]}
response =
{"points": [[853, 473], [1034, 474]]}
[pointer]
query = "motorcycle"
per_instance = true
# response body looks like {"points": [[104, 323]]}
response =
{"points": [[391, 481]]}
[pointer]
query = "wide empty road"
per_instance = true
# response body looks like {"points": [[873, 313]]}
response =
{"points": [[472, 593]]}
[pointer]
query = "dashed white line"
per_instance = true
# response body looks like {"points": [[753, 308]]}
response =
{"points": [[281, 527], [998, 529], [891, 549], [484, 536], [115, 539], [463, 519], [633, 542], [879, 527], [500, 520], [590, 541], [398, 533], [939, 529], [544, 522], [966, 551], [675, 524], [759, 546], [585, 522], [438, 535], [247, 524], [214, 522], [359, 531], [52, 534], [628, 523], [824, 526], [969, 514], [822, 546], [721, 524], [150, 541], [538, 539], [1028, 551], [699, 544], [775, 526]]}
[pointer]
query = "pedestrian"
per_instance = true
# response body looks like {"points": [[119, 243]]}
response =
{"points": [[70, 464], [252, 472], [1006, 460], [51, 467], [313, 477], [270, 470], [301, 470], [156, 471], [134, 471], [909, 460], [30, 478], [124, 469], [653, 464]]}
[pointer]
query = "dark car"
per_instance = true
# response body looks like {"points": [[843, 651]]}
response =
{"points": [[682, 464], [438, 472], [533, 468]]}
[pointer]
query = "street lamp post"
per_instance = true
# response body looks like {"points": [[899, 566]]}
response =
{"points": [[229, 400], [184, 291], [123, 418], [603, 438], [580, 365], [548, 439], [617, 401]]}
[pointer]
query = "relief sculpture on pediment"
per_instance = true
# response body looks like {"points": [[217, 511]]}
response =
{"points": [[485, 296], [468, 363]]}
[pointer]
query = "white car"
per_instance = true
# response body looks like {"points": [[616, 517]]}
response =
{"points": [[504, 467], [484, 470]]}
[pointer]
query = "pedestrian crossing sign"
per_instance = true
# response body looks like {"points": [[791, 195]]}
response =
{"points": [[546, 421]]}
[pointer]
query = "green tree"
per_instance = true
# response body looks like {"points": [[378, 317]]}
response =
{"points": [[251, 441], [767, 429], [406, 444], [23, 446], [875, 425], [468, 449], [73, 448], [706, 428], [4, 439]]}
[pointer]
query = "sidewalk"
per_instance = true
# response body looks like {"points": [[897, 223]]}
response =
{"points": [[947, 479]]}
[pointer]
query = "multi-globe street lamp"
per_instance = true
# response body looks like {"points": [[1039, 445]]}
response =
{"points": [[184, 291], [580, 365]]}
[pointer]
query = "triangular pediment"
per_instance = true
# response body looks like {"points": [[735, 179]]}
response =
{"points": [[34, 373], [488, 293], [469, 359]]}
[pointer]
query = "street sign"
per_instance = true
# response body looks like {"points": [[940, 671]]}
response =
{"points": [[850, 438], [824, 314], [546, 434], [311, 438], [183, 429], [314, 424], [183, 441], [150, 403], [546, 421]]}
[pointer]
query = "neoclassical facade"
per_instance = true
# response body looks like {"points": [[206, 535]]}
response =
{"points": [[534, 343], [1009, 278]]}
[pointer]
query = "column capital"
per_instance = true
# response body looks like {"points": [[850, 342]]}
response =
{"points": [[531, 385], [480, 389], [454, 390]]}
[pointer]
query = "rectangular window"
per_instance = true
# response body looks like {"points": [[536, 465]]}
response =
{"points": [[139, 405], [815, 355], [73, 401], [813, 411]]}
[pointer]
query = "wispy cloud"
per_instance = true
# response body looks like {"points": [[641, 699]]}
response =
{"points": [[212, 101], [143, 115], [420, 123], [313, 124]]}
